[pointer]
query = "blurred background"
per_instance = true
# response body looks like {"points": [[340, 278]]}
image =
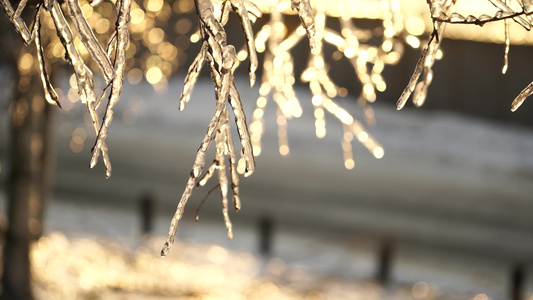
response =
{"points": [[444, 214]]}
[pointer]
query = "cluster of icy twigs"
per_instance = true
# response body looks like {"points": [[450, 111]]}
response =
{"points": [[112, 61], [221, 60], [215, 53], [441, 15]]}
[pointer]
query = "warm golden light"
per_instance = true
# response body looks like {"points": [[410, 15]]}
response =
{"points": [[349, 164], [368, 60], [420, 290], [378, 152], [480, 297], [241, 166], [415, 26], [195, 38], [154, 75], [153, 5], [102, 26], [137, 16], [25, 62]]}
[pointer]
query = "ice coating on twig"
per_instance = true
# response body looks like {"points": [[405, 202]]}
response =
{"points": [[507, 46], [197, 168], [84, 76], [248, 13], [416, 74], [242, 129], [221, 152], [439, 10], [241, 9], [440, 14], [305, 12], [516, 17], [220, 59], [192, 76], [421, 89], [49, 92], [456, 18], [122, 41], [522, 97], [14, 17], [224, 147], [86, 36], [230, 148]]}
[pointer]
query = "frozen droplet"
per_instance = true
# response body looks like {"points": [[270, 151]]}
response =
{"points": [[484, 18], [471, 19], [456, 18]]}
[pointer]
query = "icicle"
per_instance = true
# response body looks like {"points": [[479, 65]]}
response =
{"points": [[221, 60], [20, 8], [14, 17], [242, 129], [241, 9], [207, 175], [220, 139], [192, 76], [233, 170], [197, 168], [112, 45], [305, 12], [88, 39], [224, 147], [420, 93], [122, 41], [522, 97], [507, 46], [254, 12], [416, 74], [49, 92], [84, 76]]}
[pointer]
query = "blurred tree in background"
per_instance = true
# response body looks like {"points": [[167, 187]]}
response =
{"points": [[31, 153]]}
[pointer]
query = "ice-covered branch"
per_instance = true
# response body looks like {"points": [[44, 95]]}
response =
{"points": [[367, 59], [221, 59], [121, 44], [440, 14]]}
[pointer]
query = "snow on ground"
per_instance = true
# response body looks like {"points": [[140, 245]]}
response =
{"points": [[94, 251]]}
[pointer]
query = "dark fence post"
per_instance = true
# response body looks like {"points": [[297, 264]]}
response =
{"points": [[146, 211], [386, 249], [265, 236], [517, 281]]}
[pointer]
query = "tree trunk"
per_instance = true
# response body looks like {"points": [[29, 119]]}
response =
{"points": [[30, 175]]}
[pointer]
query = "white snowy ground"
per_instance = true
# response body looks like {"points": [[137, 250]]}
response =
{"points": [[453, 192], [98, 251]]}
